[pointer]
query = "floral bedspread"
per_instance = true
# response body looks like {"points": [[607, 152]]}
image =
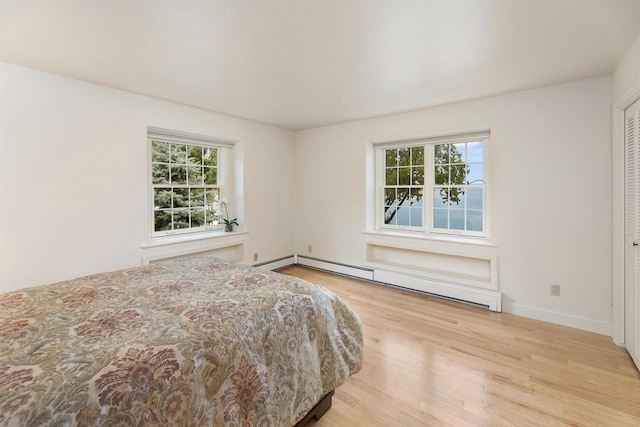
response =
{"points": [[191, 342]]}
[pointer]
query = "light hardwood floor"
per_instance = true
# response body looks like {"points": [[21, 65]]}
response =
{"points": [[432, 362]]}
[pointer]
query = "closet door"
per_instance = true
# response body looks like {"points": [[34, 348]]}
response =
{"points": [[632, 231]]}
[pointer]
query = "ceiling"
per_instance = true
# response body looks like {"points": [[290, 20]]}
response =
{"points": [[299, 64]]}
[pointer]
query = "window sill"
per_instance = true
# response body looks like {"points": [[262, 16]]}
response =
{"points": [[473, 241], [186, 238]]}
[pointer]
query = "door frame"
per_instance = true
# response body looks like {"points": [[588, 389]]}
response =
{"points": [[620, 104]]}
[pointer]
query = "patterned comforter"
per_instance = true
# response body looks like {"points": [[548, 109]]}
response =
{"points": [[192, 342]]}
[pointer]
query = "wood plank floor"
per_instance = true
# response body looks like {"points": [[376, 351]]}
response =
{"points": [[432, 362]]}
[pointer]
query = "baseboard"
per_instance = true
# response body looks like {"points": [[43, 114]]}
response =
{"points": [[276, 264], [336, 267], [488, 298], [557, 317]]}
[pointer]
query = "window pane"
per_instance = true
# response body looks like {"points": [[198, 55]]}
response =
{"points": [[210, 217], [210, 156], [179, 154], [458, 174], [441, 153], [160, 173], [441, 218], [404, 157], [474, 220], [159, 152], [474, 198], [161, 220], [417, 156], [390, 215], [210, 176], [197, 217], [179, 175], [456, 197], [195, 156], [475, 152], [457, 154], [417, 175], [475, 174], [456, 219], [195, 175], [211, 196], [180, 198], [441, 175], [180, 218], [162, 198], [197, 197], [404, 176], [416, 217], [440, 197], [389, 196], [416, 196], [390, 157], [212, 214], [403, 216], [403, 197], [391, 176]]}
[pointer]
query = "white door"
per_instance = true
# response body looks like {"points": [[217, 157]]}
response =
{"points": [[632, 230]]}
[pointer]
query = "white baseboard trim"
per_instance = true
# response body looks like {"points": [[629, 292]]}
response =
{"points": [[336, 267], [276, 264], [491, 299], [559, 318]]}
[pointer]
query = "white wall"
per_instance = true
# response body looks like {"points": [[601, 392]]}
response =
{"points": [[73, 176], [551, 178], [627, 72]]}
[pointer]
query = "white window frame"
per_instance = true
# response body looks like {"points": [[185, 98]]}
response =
{"points": [[224, 173], [427, 214]]}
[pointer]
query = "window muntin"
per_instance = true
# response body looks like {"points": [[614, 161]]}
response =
{"points": [[185, 185], [434, 186]]}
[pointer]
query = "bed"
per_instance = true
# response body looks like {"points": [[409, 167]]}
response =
{"points": [[189, 342]]}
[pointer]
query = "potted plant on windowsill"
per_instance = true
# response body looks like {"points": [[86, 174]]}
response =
{"points": [[228, 223]]}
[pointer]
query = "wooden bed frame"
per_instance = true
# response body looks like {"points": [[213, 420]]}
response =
{"points": [[317, 411]]}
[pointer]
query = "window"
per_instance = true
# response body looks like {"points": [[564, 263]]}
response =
{"points": [[404, 186], [434, 185], [188, 176]]}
